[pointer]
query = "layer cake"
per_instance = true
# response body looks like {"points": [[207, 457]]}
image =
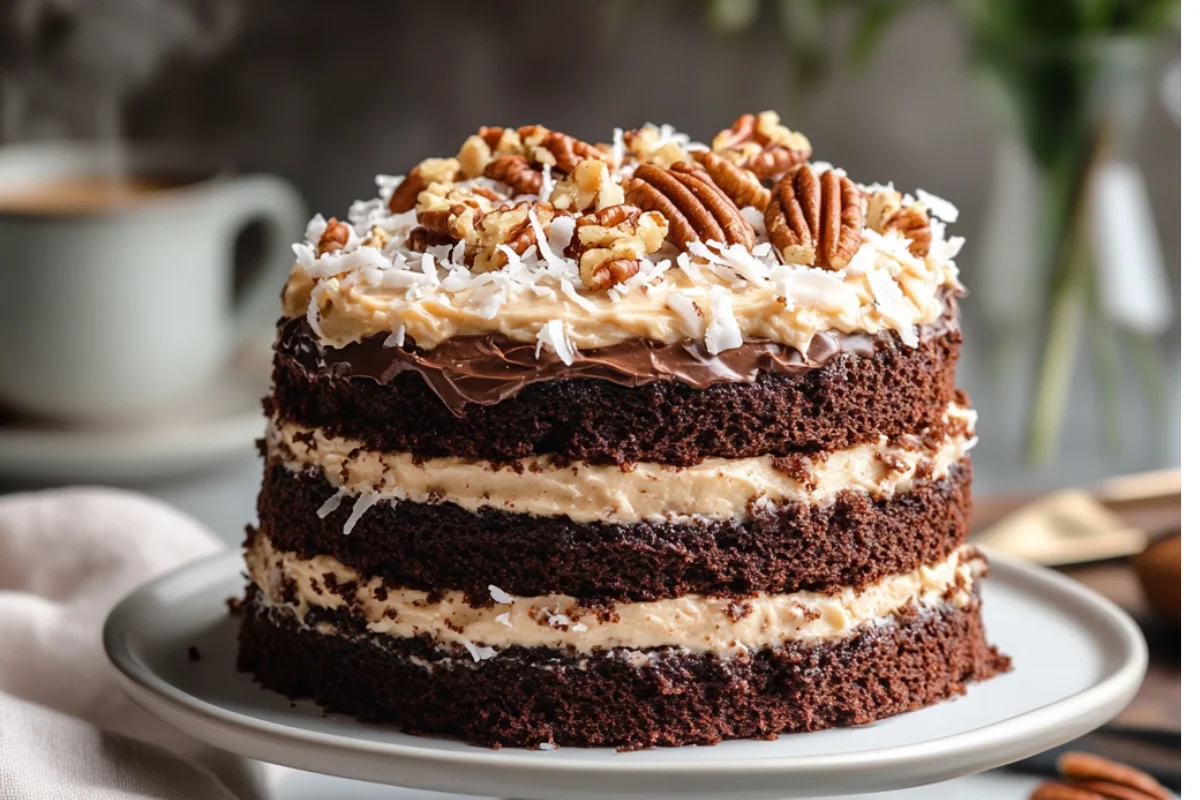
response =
{"points": [[631, 444]]}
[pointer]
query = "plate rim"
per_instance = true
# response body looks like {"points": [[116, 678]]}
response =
{"points": [[1109, 692]]}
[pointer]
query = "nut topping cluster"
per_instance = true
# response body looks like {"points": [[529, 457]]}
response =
{"points": [[696, 209], [431, 170], [611, 242], [885, 211], [655, 186], [761, 144]]}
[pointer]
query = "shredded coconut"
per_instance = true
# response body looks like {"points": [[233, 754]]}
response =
{"points": [[692, 321], [499, 595], [504, 619], [331, 505], [723, 332], [756, 220], [554, 335], [889, 300], [361, 504], [559, 621], [479, 653], [395, 338], [938, 207], [316, 226], [547, 184]]}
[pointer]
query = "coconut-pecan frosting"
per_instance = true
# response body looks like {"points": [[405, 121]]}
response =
{"points": [[542, 237]]}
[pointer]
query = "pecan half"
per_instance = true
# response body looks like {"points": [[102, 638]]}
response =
{"points": [[815, 221], [334, 237], [421, 239], [1093, 772], [695, 208], [763, 145], [517, 171], [431, 170], [605, 276], [885, 211], [611, 242], [742, 186]]}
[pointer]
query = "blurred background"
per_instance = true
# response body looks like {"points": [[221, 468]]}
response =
{"points": [[1054, 126]]}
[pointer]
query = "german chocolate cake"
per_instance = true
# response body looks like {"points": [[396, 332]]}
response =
{"points": [[640, 443]]}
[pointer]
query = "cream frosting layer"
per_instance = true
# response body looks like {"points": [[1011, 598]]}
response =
{"points": [[713, 293], [716, 488], [693, 622]]}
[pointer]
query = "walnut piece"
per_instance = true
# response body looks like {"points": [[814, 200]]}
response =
{"points": [[885, 212], [695, 208], [453, 211], [610, 243], [646, 145], [815, 221], [762, 144], [334, 237], [431, 170], [508, 225], [489, 143], [741, 185], [589, 186]]}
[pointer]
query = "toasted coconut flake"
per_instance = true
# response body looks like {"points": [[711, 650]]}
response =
{"points": [[479, 653], [723, 332], [889, 301], [499, 595], [331, 505], [693, 322], [395, 338], [554, 335], [938, 207], [361, 504]]}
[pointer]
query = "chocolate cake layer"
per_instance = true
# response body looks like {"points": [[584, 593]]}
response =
{"points": [[852, 542], [852, 399], [525, 697]]}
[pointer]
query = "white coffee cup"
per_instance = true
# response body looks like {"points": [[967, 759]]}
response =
{"points": [[113, 313]]}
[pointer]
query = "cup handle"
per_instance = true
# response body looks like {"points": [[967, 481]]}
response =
{"points": [[276, 203]]}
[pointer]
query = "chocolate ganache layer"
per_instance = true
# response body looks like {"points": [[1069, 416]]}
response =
{"points": [[852, 398], [485, 370]]}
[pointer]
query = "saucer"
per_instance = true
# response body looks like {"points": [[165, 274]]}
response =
{"points": [[218, 423]]}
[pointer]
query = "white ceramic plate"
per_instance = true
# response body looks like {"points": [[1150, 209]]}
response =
{"points": [[1078, 660], [219, 422]]}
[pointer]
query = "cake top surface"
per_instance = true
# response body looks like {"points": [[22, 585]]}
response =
{"points": [[537, 236]]}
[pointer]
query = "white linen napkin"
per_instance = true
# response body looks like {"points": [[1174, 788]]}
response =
{"points": [[67, 730]]}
